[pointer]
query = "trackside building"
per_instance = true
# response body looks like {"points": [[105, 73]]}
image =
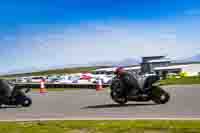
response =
{"points": [[159, 65], [190, 69]]}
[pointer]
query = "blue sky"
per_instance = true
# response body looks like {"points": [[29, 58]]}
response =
{"points": [[43, 33]]}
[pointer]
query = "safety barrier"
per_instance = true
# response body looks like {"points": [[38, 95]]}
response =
{"points": [[51, 85]]}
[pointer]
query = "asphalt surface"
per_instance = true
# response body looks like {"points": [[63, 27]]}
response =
{"points": [[89, 104]]}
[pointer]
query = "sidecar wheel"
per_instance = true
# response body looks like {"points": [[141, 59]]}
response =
{"points": [[26, 101], [162, 99], [160, 96]]}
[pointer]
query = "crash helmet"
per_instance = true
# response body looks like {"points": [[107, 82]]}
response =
{"points": [[119, 70]]}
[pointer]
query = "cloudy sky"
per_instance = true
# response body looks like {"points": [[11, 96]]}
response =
{"points": [[47, 33]]}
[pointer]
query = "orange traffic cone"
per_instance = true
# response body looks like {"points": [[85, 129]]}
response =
{"points": [[99, 86], [42, 87]]}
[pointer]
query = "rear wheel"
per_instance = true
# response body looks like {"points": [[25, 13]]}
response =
{"points": [[23, 100], [26, 102], [120, 100], [160, 96]]}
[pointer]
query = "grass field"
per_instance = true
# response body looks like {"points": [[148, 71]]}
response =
{"points": [[101, 127], [181, 81]]}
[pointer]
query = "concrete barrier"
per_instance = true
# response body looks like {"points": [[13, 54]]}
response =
{"points": [[51, 85]]}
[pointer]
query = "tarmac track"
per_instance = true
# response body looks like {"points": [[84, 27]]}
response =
{"points": [[89, 104]]}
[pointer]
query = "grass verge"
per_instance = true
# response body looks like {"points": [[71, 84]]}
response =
{"points": [[101, 127], [181, 81]]}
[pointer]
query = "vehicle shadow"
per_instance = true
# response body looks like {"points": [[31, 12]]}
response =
{"points": [[118, 105]]}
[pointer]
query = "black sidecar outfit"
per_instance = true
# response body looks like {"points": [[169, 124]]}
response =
{"points": [[6, 90], [13, 95]]}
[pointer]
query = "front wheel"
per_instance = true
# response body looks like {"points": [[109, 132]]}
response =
{"points": [[120, 100], [26, 102], [160, 96]]}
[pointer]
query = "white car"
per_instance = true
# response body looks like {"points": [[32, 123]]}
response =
{"points": [[106, 79], [36, 79], [82, 81], [78, 80], [63, 80], [52, 79], [21, 79]]}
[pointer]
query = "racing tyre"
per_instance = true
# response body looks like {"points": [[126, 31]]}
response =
{"points": [[117, 93], [119, 100], [26, 101], [159, 96]]}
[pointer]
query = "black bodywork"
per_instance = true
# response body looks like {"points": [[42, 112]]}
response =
{"points": [[13, 95], [147, 90]]}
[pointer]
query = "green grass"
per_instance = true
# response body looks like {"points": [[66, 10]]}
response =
{"points": [[101, 127], [181, 81]]}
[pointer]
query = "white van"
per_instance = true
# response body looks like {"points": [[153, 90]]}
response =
{"points": [[21, 79], [36, 79]]}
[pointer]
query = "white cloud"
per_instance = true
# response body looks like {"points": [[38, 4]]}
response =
{"points": [[100, 42]]}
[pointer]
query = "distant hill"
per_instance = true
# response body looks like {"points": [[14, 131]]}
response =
{"points": [[74, 68], [42, 69], [56, 71]]}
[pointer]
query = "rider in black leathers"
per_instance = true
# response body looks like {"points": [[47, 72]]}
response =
{"points": [[129, 82]]}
